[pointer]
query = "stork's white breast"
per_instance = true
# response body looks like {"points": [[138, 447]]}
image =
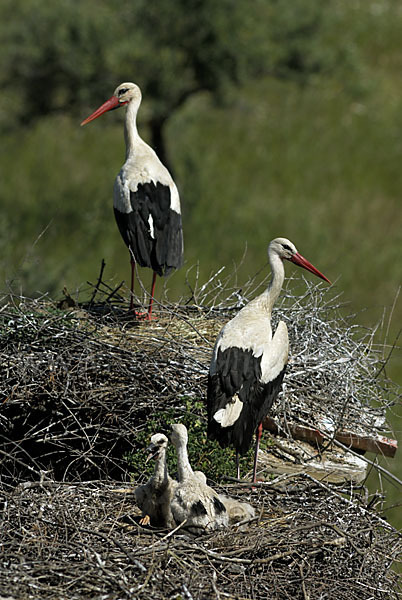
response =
{"points": [[255, 334], [142, 167], [275, 355]]}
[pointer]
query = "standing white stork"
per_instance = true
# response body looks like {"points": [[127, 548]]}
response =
{"points": [[248, 362], [146, 201]]}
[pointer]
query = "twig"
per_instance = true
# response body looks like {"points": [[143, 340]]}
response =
{"points": [[96, 288]]}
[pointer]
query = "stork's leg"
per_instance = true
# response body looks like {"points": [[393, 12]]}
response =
{"points": [[140, 315], [132, 262], [152, 295], [258, 434], [237, 464]]}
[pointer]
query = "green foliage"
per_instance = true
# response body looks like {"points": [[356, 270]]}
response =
{"points": [[53, 50], [68, 54]]}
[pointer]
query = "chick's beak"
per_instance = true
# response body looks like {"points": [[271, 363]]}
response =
{"points": [[152, 452]]}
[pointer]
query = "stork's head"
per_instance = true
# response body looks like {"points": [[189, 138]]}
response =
{"points": [[285, 249], [126, 92], [123, 94], [178, 434], [158, 444]]}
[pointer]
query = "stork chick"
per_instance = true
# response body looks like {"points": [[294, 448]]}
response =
{"points": [[194, 502], [154, 497]]}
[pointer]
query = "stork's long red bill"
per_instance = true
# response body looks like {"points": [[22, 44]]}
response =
{"points": [[299, 260], [110, 104]]}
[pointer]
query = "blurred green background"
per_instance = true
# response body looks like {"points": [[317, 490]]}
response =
{"points": [[275, 118]]}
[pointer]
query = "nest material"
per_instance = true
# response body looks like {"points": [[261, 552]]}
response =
{"points": [[83, 541], [78, 389]]}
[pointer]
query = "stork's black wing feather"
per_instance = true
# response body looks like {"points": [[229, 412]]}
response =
{"points": [[238, 372], [234, 367], [157, 242]]}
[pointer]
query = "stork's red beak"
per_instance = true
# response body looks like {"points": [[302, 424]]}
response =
{"points": [[299, 260], [110, 104]]}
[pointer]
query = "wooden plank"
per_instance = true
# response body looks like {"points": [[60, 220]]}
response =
{"points": [[331, 465], [377, 444]]}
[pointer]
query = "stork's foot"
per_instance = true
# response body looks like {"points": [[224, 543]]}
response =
{"points": [[145, 520], [144, 316], [252, 488]]}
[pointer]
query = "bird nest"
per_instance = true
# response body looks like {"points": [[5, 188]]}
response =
{"points": [[83, 540], [83, 387]]}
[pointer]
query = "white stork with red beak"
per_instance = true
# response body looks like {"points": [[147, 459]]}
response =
{"points": [[248, 362], [146, 201]]}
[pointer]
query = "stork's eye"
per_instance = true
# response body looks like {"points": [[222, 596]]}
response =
{"points": [[286, 247], [123, 91]]}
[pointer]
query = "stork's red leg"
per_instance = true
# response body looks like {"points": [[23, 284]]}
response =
{"points": [[140, 315], [152, 295], [237, 464], [132, 262], [258, 434]]}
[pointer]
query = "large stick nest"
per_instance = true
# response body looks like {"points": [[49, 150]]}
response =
{"points": [[82, 541], [82, 389], [79, 386]]}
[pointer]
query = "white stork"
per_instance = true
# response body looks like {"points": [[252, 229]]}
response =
{"points": [[248, 362], [146, 201]]}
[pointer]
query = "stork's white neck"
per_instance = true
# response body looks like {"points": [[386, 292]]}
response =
{"points": [[184, 469], [277, 278], [161, 472], [130, 127]]}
